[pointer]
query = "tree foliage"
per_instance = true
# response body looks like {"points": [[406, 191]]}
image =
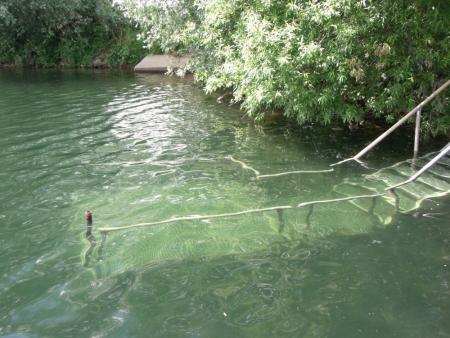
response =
{"points": [[76, 32], [315, 60]]}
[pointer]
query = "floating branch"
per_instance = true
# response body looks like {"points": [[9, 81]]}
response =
{"points": [[258, 175], [232, 214]]}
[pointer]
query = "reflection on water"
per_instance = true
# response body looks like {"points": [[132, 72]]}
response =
{"points": [[90, 237], [142, 148]]}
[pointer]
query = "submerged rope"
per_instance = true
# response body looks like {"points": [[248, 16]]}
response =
{"points": [[232, 214]]}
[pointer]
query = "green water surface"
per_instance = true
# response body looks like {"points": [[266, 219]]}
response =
{"points": [[141, 148]]}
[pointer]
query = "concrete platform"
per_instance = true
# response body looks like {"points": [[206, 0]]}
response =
{"points": [[160, 63]]}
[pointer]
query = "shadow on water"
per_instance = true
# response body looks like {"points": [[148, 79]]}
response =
{"points": [[89, 235], [90, 252]]}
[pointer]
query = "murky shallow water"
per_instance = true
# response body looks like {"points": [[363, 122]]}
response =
{"points": [[138, 148]]}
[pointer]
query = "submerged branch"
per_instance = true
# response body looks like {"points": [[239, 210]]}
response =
{"points": [[245, 166], [258, 175], [129, 163], [232, 214], [296, 172], [196, 218], [304, 204]]}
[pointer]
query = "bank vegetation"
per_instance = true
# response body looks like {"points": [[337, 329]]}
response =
{"points": [[317, 61]]}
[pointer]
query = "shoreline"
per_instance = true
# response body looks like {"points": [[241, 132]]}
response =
{"points": [[63, 66], [370, 125]]}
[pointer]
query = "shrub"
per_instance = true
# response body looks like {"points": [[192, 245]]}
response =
{"points": [[51, 32], [317, 61]]}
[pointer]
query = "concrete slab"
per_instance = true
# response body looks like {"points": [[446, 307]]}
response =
{"points": [[160, 63]]}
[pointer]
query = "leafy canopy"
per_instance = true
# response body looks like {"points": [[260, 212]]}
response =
{"points": [[315, 60]]}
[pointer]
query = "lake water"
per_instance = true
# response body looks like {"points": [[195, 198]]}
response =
{"points": [[142, 148]]}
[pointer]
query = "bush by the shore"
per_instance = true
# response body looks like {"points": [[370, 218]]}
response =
{"points": [[317, 61], [77, 33]]}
